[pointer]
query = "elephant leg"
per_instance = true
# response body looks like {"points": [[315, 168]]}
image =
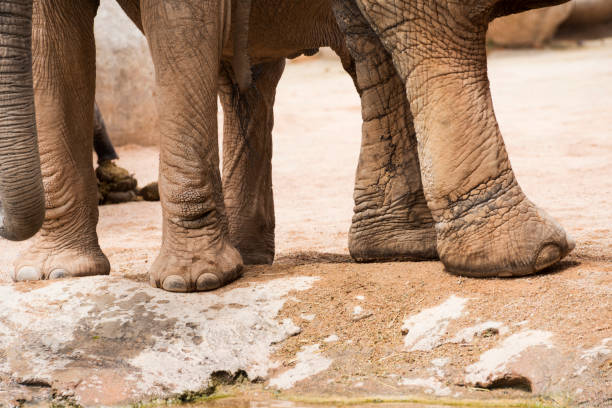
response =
{"points": [[196, 253], [485, 224], [64, 83], [247, 160], [391, 219]]}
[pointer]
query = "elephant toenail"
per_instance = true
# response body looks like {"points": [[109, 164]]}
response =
{"points": [[28, 273], [548, 255], [238, 272], [208, 281], [174, 283], [153, 282], [571, 244], [58, 274]]}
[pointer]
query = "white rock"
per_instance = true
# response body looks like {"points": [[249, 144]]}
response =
{"points": [[591, 354], [601, 350], [440, 362], [432, 385], [493, 363], [142, 340], [467, 334], [309, 363], [425, 330]]}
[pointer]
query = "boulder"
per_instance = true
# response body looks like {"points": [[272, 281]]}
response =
{"points": [[586, 12], [125, 78], [530, 29]]}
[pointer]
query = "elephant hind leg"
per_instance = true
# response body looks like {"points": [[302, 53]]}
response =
{"points": [[247, 160], [196, 253], [64, 83], [391, 219]]}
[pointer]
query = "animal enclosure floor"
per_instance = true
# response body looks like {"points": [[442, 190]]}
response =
{"points": [[389, 329]]}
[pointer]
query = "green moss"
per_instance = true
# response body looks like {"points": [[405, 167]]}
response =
{"points": [[187, 398], [340, 401]]}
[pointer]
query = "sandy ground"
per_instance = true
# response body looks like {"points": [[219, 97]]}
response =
{"points": [[555, 110]]}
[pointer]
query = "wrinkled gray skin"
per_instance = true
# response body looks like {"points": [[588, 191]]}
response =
{"points": [[22, 206], [468, 208]]}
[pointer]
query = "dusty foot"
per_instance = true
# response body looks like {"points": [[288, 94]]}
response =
{"points": [[252, 234], [256, 248], [196, 266], [256, 256], [394, 245], [393, 234], [500, 235], [39, 263]]}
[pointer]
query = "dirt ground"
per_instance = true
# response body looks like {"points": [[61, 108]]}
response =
{"points": [[555, 110]]}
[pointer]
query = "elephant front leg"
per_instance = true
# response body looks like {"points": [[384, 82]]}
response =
{"points": [[64, 82], [391, 219], [485, 225], [247, 160], [196, 253]]}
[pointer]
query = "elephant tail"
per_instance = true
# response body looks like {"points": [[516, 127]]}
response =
{"points": [[241, 64]]}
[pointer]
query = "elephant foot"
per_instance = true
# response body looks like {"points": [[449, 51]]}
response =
{"points": [[495, 231], [196, 266], [394, 245], [252, 232], [40, 263], [255, 256], [255, 249], [393, 233]]}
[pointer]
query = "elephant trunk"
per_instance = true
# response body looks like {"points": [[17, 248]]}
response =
{"points": [[22, 206]]}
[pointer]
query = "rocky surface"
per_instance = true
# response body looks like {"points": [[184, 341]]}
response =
{"points": [[109, 340], [317, 327]]}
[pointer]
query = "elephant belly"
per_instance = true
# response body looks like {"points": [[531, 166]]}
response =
{"points": [[280, 28]]}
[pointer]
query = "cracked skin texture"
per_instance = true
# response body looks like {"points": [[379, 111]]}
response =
{"points": [[420, 69]]}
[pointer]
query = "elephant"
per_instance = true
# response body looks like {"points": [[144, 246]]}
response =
{"points": [[433, 179]]}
